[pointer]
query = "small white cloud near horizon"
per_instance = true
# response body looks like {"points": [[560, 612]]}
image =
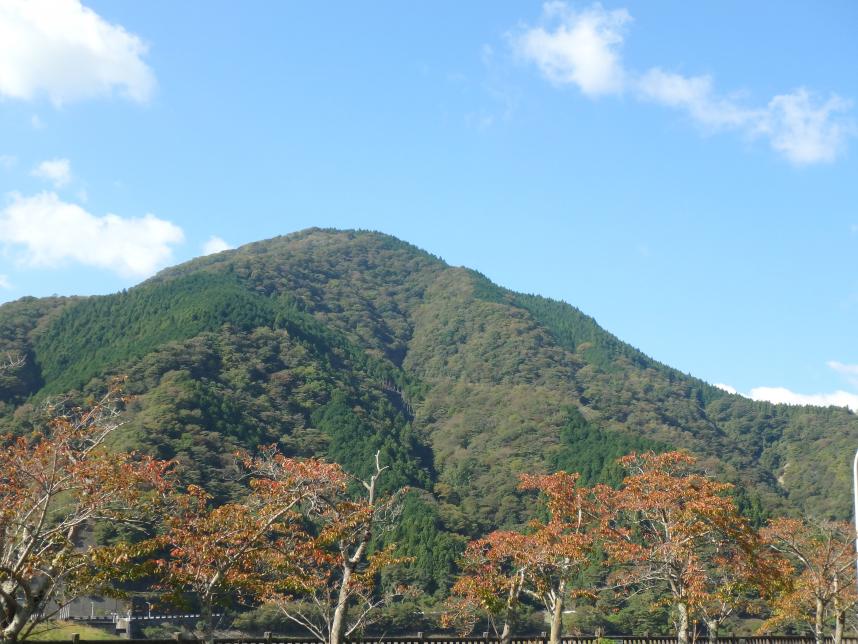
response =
{"points": [[49, 232], [67, 52], [580, 48], [36, 122], [729, 389], [215, 244], [57, 171], [782, 395], [583, 48], [4, 282], [837, 398]]}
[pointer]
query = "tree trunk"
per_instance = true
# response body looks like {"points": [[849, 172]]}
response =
{"points": [[712, 628], [682, 623], [506, 633], [338, 625], [557, 619], [839, 613], [206, 618], [839, 624], [16, 624], [511, 601], [817, 627]]}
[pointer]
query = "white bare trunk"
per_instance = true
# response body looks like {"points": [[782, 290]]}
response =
{"points": [[557, 620], [818, 622], [682, 623], [338, 625]]}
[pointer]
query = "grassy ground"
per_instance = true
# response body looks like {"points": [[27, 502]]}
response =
{"points": [[64, 630]]}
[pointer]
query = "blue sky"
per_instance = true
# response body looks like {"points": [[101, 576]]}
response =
{"points": [[684, 172]]}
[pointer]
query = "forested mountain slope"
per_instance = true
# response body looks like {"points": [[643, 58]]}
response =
{"points": [[340, 343]]}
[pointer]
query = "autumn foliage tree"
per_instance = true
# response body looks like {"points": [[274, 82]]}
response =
{"points": [[739, 574], [339, 595], [540, 563], [55, 484], [230, 550], [491, 584], [672, 528], [821, 557]]}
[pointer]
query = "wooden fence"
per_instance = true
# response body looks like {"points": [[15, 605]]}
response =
{"points": [[443, 639]]}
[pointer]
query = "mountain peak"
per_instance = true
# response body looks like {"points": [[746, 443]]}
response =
{"points": [[486, 382]]}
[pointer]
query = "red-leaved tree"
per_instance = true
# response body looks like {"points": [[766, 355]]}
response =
{"points": [[541, 562], [54, 484], [669, 527], [339, 595], [216, 553], [821, 558]]}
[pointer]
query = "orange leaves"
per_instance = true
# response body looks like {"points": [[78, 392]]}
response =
{"points": [[54, 484], [564, 499], [298, 533], [235, 546], [541, 561], [818, 560], [672, 509], [674, 528], [668, 527]]}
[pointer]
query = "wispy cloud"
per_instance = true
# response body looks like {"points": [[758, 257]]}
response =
{"points": [[500, 99], [67, 52], [848, 371], [43, 230], [583, 49], [215, 244], [7, 161], [694, 95], [4, 282], [57, 171]]}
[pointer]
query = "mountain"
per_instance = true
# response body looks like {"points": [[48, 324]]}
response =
{"points": [[340, 343]]}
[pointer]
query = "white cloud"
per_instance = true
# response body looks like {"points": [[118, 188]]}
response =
{"points": [[786, 396], [798, 126], [838, 398], [7, 161], [4, 282], [583, 49], [57, 171], [694, 95], [804, 130], [49, 232], [215, 244], [848, 371], [36, 122], [727, 388], [579, 48], [67, 52]]}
